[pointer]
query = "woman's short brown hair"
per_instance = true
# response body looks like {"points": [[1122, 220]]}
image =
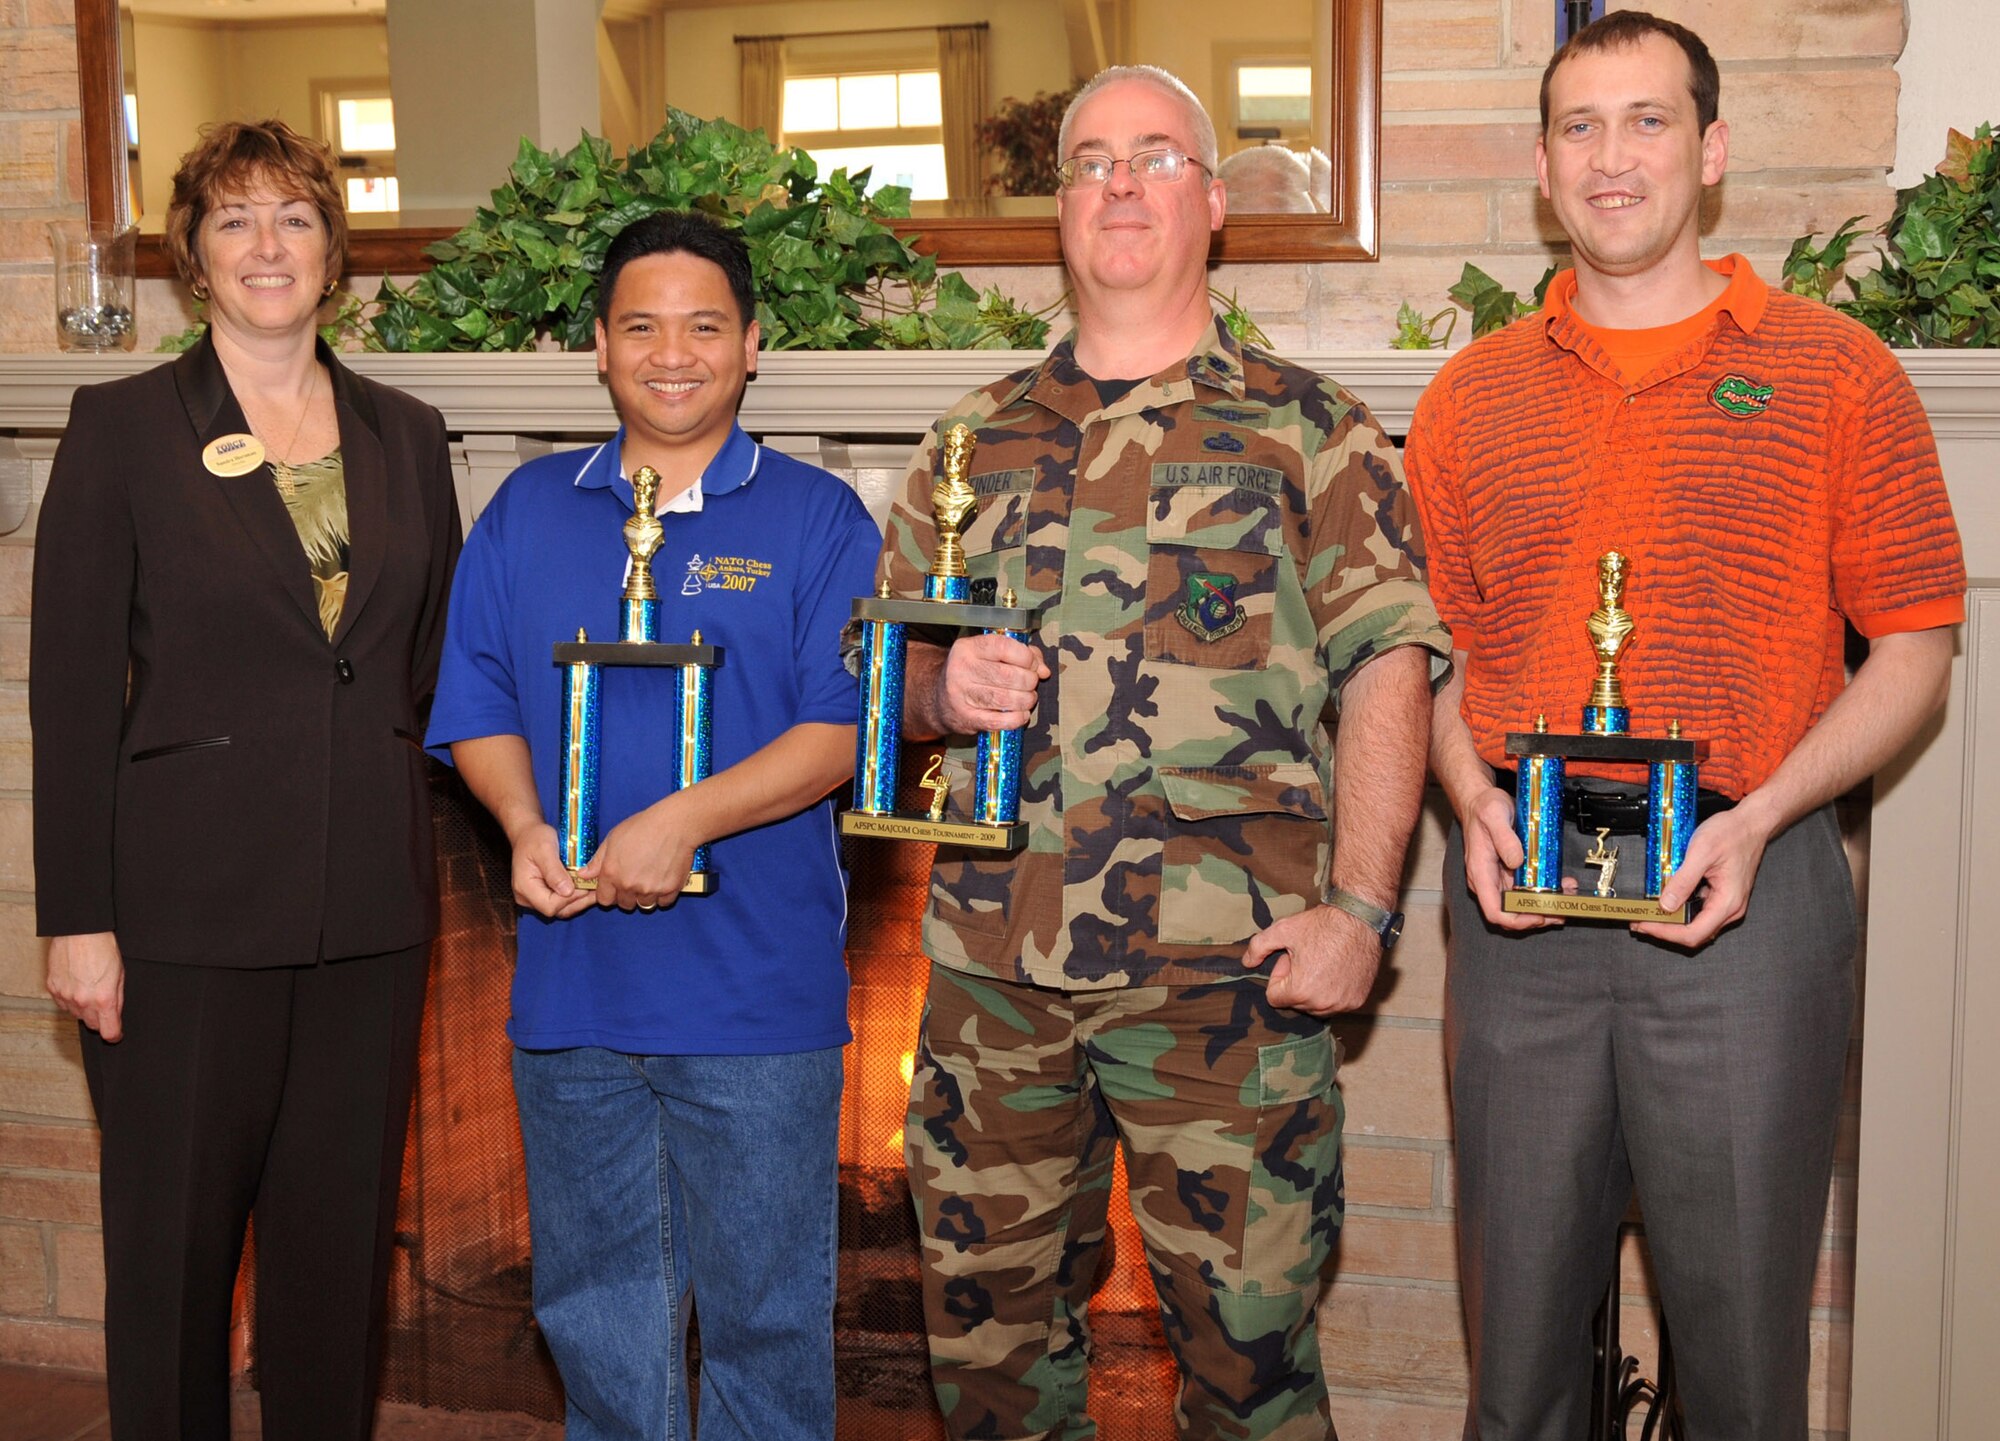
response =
{"points": [[236, 156]]}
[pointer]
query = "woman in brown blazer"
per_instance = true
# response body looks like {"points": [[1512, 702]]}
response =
{"points": [[240, 576]]}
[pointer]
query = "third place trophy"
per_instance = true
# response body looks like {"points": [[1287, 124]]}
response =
{"points": [[1672, 784]]}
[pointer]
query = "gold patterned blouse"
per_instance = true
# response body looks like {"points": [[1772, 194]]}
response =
{"points": [[315, 495]]}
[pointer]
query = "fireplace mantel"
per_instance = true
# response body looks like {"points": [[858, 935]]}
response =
{"points": [[846, 393], [1928, 1212], [850, 393]]}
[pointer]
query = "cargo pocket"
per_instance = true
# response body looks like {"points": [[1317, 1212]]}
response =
{"points": [[1295, 1197], [1245, 846], [1211, 575], [967, 895]]}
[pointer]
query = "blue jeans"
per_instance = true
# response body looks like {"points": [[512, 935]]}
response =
{"points": [[655, 1178]]}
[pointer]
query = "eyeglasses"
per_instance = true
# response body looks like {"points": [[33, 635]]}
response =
{"points": [[1163, 166]]}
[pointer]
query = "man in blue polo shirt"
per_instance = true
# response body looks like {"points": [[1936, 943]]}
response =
{"points": [[677, 1062]]}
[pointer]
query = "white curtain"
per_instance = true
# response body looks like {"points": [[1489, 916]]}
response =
{"points": [[763, 92], [962, 78]]}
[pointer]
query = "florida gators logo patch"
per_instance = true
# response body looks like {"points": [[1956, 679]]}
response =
{"points": [[1209, 611], [1741, 397]]}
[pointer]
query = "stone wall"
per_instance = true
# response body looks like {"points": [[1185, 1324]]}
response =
{"points": [[51, 1260], [41, 161]]}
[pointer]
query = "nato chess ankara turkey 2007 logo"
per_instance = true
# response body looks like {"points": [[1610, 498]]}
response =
{"points": [[1741, 397], [1209, 610]]}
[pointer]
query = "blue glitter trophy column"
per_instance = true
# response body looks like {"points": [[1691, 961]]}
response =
{"points": [[1541, 803], [582, 694], [1538, 803], [940, 616], [694, 715], [878, 738], [1671, 789], [582, 662], [996, 772]]}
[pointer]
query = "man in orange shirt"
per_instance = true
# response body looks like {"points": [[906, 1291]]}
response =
{"points": [[1766, 468]]}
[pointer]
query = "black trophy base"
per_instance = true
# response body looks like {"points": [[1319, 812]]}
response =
{"points": [[1621, 747], [943, 620], [636, 652], [975, 835], [1585, 906]]}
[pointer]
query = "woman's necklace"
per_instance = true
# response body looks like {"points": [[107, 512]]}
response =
{"points": [[282, 470]]}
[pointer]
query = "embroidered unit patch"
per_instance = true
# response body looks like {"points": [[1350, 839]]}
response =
{"points": [[1210, 611], [723, 572]]}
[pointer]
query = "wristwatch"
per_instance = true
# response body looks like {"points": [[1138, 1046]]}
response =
{"points": [[1387, 925]]}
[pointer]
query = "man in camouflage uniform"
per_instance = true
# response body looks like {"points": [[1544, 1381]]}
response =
{"points": [[1226, 558]]}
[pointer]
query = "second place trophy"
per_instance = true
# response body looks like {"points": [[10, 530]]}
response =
{"points": [[945, 611], [583, 662]]}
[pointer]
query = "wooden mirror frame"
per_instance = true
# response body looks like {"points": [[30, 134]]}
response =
{"points": [[1349, 232]]}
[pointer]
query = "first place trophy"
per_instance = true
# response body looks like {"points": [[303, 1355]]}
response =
{"points": [[944, 612], [1672, 774], [582, 662]]}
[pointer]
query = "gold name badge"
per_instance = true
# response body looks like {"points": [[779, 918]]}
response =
{"points": [[233, 454]]}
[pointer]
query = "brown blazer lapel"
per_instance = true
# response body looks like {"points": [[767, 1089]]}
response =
{"points": [[367, 475], [213, 412]]}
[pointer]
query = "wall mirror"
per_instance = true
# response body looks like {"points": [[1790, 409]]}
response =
{"points": [[424, 101]]}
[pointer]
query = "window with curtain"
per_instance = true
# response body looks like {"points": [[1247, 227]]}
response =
{"points": [[359, 122], [891, 120], [1269, 98]]}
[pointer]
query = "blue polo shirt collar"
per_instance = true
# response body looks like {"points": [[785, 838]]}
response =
{"points": [[734, 466]]}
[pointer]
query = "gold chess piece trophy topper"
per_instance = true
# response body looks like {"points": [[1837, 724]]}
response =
{"points": [[643, 534], [1610, 626], [952, 500]]}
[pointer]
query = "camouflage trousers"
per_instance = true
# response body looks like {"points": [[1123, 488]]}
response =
{"points": [[1230, 1121]]}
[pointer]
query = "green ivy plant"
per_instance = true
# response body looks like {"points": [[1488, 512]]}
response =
{"points": [[830, 273], [1938, 283], [1813, 271], [1417, 331], [1490, 304], [347, 327], [1241, 323]]}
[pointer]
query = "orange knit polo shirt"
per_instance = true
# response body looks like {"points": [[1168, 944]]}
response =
{"points": [[1768, 482], [1635, 354]]}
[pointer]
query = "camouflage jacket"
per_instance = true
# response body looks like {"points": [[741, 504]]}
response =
{"points": [[1217, 551]]}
